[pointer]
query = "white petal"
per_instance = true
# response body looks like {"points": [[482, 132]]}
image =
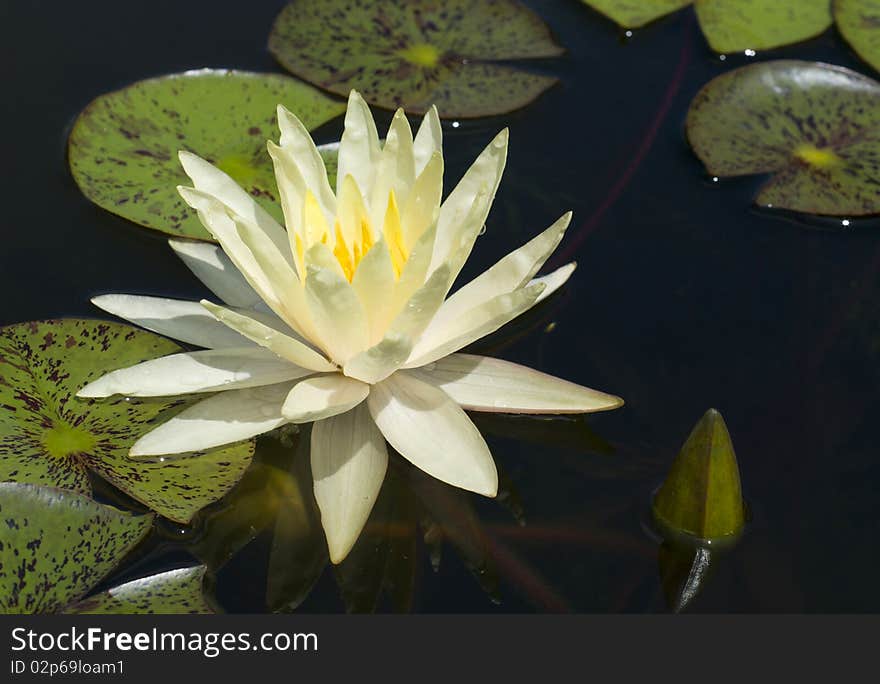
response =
{"points": [[296, 139], [222, 419], [200, 371], [437, 341], [433, 432], [484, 175], [209, 263], [359, 147], [323, 396], [421, 208], [373, 281], [508, 274], [396, 168], [480, 383], [209, 179], [286, 347], [380, 360], [554, 280], [429, 139], [349, 460], [336, 313], [180, 320]]}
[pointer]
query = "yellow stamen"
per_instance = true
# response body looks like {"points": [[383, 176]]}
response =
{"points": [[393, 232], [342, 255]]}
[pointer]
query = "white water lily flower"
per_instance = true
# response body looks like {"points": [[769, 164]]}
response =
{"points": [[343, 318]]}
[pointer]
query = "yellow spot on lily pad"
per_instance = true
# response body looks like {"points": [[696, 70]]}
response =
{"points": [[821, 158], [64, 440], [421, 54], [240, 168]]}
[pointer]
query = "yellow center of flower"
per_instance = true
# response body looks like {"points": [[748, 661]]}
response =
{"points": [[816, 156], [421, 54]]}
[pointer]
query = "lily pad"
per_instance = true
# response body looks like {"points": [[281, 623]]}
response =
{"points": [[123, 147], [48, 436], [702, 495], [57, 545], [815, 127], [859, 23], [176, 592], [735, 26], [636, 13], [415, 53]]}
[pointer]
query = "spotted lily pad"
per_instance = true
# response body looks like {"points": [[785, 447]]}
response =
{"points": [[636, 13], [415, 53], [815, 127], [48, 436], [56, 545], [175, 592], [123, 147], [859, 22]]}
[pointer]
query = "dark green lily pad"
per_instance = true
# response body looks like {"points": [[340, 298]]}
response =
{"points": [[176, 592], [330, 154], [859, 23], [636, 13], [57, 545], [415, 53], [48, 436], [814, 126], [760, 24], [702, 496], [123, 147]]}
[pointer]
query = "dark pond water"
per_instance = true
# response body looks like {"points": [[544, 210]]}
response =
{"points": [[686, 297]]}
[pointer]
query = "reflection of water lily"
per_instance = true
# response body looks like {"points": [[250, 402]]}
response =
{"points": [[344, 319]]}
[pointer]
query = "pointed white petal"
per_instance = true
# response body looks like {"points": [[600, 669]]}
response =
{"points": [[396, 168], [433, 433], [296, 139], [429, 139], [380, 360], [222, 419], [200, 371], [480, 383], [286, 347], [508, 274], [323, 396], [484, 175], [359, 147], [554, 280], [337, 313], [209, 179], [437, 341], [349, 460], [209, 263], [373, 281], [420, 209], [415, 270], [180, 320]]}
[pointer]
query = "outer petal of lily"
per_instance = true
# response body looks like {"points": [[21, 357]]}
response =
{"points": [[209, 179], [180, 320], [323, 396], [286, 347], [349, 460], [396, 170], [222, 419], [508, 274], [200, 371], [421, 208], [336, 312], [437, 341], [359, 147], [429, 139], [480, 383], [209, 263], [483, 175], [433, 432], [553, 281], [296, 139], [373, 281]]}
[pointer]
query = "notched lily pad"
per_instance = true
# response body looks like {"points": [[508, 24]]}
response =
{"points": [[815, 127], [57, 544], [48, 436], [124, 144], [636, 13], [176, 592], [415, 53], [859, 23]]}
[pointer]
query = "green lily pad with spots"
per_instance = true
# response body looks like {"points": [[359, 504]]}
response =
{"points": [[415, 53], [760, 24], [330, 154], [636, 13], [56, 545], [48, 436], [123, 147], [815, 127], [176, 592], [859, 23]]}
